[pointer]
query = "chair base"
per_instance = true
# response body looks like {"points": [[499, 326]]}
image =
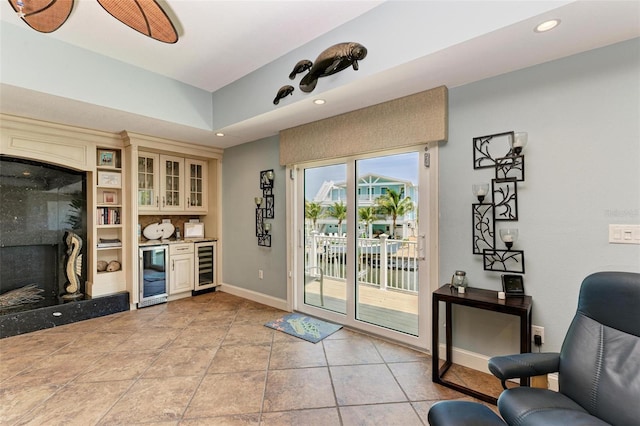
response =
{"points": [[463, 413]]}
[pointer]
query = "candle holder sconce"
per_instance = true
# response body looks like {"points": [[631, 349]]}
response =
{"points": [[263, 229], [503, 153]]}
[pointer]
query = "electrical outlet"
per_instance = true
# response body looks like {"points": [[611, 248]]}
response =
{"points": [[536, 329], [260, 274]]}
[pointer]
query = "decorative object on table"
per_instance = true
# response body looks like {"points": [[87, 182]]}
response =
{"points": [[512, 285], [459, 281], [305, 327], [503, 153], [283, 92], [263, 229], [145, 17], [73, 266]]}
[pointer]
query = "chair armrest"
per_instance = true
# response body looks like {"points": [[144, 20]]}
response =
{"points": [[524, 365]]}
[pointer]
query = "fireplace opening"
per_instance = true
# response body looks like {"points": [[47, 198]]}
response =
{"points": [[39, 202]]}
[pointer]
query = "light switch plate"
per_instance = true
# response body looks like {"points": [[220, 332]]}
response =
{"points": [[624, 234]]}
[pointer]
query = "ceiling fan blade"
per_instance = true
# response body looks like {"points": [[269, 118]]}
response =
{"points": [[45, 16], [144, 16]]}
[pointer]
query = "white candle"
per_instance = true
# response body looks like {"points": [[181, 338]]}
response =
{"points": [[520, 140], [507, 238], [501, 295], [460, 289]]}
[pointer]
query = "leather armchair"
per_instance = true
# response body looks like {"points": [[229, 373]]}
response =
{"points": [[598, 365]]}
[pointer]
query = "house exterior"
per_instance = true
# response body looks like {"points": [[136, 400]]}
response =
{"points": [[370, 187]]}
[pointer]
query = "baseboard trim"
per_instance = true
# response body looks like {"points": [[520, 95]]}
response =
{"points": [[254, 296], [479, 362]]}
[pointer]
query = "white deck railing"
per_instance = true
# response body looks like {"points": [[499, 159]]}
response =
{"points": [[382, 262]]}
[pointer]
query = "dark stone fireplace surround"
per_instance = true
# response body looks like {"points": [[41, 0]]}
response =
{"points": [[39, 202]]}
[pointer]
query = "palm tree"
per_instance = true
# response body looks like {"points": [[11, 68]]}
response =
{"points": [[313, 211], [338, 211], [390, 204], [368, 215]]}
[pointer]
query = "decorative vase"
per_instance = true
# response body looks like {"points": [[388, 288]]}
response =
{"points": [[459, 281]]}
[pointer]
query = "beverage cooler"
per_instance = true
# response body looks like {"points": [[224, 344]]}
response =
{"points": [[154, 275], [205, 270]]}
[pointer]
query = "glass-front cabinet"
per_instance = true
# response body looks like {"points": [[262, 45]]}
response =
{"points": [[148, 182], [171, 184], [196, 185]]}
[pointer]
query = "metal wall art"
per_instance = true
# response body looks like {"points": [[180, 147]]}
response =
{"points": [[487, 148], [331, 61], [484, 236], [505, 199], [504, 260], [263, 229], [503, 153]]}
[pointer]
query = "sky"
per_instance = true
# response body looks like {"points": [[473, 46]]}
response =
{"points": [[400, 166]]}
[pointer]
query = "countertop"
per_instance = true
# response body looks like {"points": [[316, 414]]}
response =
{"points": [[146, 243]]}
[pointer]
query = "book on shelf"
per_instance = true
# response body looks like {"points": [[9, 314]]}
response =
{"points": [[108, 216]]}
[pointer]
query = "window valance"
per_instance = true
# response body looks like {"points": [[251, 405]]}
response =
{"points": [[408, 121]]}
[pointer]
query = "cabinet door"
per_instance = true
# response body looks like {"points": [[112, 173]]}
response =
{"points": [[172, 183], [181, 277], [196, 187], [148, 182]]}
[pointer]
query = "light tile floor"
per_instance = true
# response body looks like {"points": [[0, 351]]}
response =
{"points": [[209, 360]]}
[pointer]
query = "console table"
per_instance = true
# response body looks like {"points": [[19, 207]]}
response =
{"points": [[481, 299]]}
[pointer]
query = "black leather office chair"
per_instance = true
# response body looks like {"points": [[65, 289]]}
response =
{"points": [[598, 366]]}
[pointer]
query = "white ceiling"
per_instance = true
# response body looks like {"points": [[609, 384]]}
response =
{"points": [[223, 41]]}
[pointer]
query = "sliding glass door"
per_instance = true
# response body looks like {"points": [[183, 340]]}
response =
{"points": [[362, 250]]}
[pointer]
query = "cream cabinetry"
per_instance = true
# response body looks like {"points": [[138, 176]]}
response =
{"points": [[107, 234], [171, 184], [196, 185], [181, 263]]}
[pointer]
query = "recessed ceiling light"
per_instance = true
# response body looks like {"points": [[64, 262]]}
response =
{"points": [[220, 134], [319, 101], [547, 25]]}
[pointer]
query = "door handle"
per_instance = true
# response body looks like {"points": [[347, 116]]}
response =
{"points": [[173, 264], [157, 202], [422, 240]]}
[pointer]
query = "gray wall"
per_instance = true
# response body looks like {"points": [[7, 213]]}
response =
{"points": [[241, 255], [582, 173]]}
